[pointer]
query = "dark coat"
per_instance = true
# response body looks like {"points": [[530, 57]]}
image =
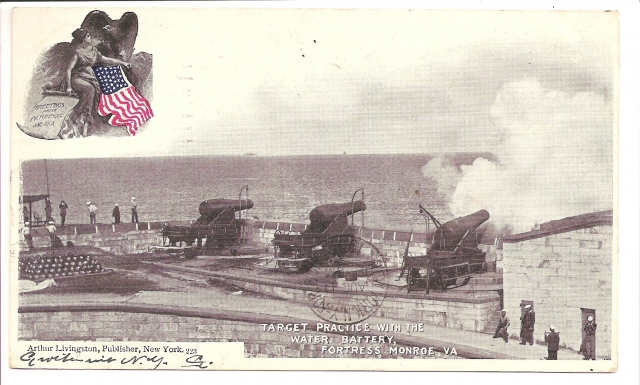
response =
{"points": [[553, 340], [590, 329], [528, 320], [116, 212]]}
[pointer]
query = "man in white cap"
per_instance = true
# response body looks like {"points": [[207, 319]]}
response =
{"points": [[51, 228], [589, 343], [501, 330], [92, 212], [26, 233], [134, 210], [527, 321], [553, 343]]}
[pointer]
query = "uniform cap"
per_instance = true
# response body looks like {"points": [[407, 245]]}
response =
{"points": [[88, 203], [116, 204], [528, 307], [590, 318], [503, 310], [551, 327], [26, 223]]}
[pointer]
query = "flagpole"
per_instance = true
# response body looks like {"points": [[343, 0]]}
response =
{"points": [[46, 173]]}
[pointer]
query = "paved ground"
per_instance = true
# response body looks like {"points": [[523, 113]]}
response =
{"points": [[172, 289]]}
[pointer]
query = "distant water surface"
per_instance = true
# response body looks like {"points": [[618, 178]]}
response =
{"points": [[282, 188]]}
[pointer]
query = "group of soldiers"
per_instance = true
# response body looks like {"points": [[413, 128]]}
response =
{"points": [[48, 211], [115, 213], [93, 209], [552, 337], [50, 222]]}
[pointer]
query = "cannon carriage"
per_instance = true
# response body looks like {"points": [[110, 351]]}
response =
{"points": [[326, 240], [453, 256], [216, 228]]}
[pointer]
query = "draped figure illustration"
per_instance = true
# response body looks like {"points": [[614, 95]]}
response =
{"points": [[81, 79], [65, 92]]}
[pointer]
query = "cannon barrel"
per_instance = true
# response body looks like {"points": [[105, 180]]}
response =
{"points": [[221, 209], [453, 231], [213, 207], [328, 213]]}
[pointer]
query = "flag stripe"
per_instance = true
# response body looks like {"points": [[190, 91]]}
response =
{"points": [[128, 109], [119, 116]]}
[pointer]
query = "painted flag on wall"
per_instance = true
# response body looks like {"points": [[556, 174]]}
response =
{"points": [[120, 99]]}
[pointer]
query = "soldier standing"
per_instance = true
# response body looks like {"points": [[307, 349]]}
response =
{"points": [[25, 214], [527, 321], [589, 339], [501, 330], [116, 213], [553, 343], [63, 212], [51, 228], [92, 212], [48, 210], [134, 210], [26, 233]]}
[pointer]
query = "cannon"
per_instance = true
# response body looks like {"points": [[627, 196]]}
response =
{"points": [[328, 238], [453, 255], [220, 211], [217, 226]]}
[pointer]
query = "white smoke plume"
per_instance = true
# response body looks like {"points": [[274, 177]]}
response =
{"points": [[556, 159]]}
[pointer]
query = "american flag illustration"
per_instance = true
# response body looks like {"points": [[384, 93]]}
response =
{"points": [[119, 98]]}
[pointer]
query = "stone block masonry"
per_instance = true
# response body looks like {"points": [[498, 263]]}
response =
{"points": [[164, 324], [563, 274]]}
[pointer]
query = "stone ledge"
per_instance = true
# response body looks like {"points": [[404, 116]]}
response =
{"points": [[401, 339]]}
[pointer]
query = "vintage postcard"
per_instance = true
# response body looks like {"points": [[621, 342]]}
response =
{"points": [[245, 188]]}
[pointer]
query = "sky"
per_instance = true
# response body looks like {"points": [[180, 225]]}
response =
{"points": [[292, 82]]}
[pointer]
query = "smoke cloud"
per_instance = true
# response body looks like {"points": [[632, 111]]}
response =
{"points": [[554, 159]]}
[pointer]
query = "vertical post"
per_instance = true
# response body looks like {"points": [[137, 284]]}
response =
{"points": [[46, 174], [245, 187], [362, 212], [246, 202], [353, 200]]}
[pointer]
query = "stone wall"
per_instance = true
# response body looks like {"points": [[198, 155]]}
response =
{"points": [[150, 325], [562, 273], [461, 313], [123, 238]]}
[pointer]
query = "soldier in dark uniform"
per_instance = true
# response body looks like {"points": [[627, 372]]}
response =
{"points": [[553, 343], [116, 213], [63, 212], [589, 342], [48, 210], [25, 214], [527, 321]]}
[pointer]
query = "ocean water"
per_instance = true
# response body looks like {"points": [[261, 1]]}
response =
{"points": [[282, 188]]}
